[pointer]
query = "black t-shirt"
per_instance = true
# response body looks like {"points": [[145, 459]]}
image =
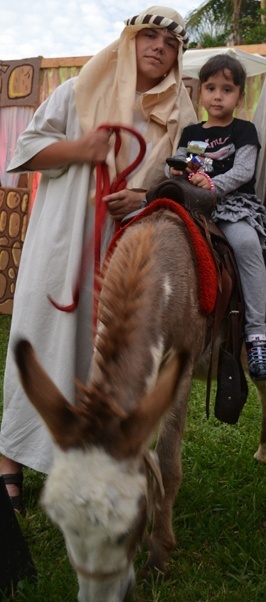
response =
{"points": [[222, 145]]}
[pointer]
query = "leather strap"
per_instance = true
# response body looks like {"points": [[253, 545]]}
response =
{"points": [[13, 479], [230, 304], [103, 187]]}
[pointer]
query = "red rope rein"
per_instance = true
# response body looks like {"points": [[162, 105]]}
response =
{"points": [[103, 188]]}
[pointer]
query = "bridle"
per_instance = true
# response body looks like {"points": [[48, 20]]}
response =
{"points": [[97, 575]]}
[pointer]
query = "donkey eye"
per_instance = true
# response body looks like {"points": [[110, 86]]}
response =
{"points": [[121, 538]]}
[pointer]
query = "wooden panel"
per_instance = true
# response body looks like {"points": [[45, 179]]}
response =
{"points": [[14, 203], [74, 61], [19, 82]]}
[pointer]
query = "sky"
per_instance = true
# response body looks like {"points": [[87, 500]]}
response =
{"points": [[65, 28]]}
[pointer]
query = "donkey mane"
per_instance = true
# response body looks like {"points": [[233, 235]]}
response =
{"points": [[123, 293], [121, 298]]}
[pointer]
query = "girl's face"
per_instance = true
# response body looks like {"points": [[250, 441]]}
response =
{"points": [[156, 52], [220, 96]]}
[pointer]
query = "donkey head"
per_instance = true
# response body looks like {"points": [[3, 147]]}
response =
{"points": [[100, 506], [97, 490]]}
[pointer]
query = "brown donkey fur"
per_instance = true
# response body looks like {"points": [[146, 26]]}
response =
{"points": [[150, 334]]}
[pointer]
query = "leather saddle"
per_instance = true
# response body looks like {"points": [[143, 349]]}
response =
{"points": [[181, 190], [229, 313]]}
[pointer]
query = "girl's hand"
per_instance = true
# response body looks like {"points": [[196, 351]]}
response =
{"points": [[199, 179], [120, 204], [175, 172]]}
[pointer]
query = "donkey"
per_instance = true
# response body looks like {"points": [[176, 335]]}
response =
{"points": [[105, 483]]}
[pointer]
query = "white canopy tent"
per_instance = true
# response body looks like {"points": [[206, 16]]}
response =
{"points": [[193, 60]]}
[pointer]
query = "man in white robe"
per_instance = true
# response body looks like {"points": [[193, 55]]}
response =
{"points": [[63, 215]]}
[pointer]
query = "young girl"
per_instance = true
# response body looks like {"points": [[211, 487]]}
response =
{"points": [[225, 150]]}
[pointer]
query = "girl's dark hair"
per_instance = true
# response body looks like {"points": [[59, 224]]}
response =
{"points": [[223, 62]]}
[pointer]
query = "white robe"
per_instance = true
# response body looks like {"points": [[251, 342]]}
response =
{"points": [[62, 218], [49, 265]]}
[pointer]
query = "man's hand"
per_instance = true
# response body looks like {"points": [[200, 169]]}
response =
{"points": [[120, 204]]}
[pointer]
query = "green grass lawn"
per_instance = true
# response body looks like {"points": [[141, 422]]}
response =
{"points": [[219, 519]]}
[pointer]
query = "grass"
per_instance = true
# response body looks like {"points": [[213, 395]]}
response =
{"points": [[219, 518]]}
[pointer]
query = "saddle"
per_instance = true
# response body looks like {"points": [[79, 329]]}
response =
{"points": [[228, 318]]}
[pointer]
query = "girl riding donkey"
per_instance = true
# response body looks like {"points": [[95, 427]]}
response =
{"points": [[225, 149]]}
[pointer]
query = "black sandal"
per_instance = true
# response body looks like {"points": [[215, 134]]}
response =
{"points": [[16, 500]]}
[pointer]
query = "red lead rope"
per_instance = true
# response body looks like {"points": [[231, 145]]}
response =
{"points": [[103, 188]]}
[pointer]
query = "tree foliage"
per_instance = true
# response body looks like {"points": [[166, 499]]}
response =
{"points": [[216, 21]]}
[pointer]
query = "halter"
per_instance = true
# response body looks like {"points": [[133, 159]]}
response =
{"points": [[97, 575], [103, 188]]}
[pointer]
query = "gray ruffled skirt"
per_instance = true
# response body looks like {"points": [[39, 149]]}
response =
{"points": [[235, 206]]}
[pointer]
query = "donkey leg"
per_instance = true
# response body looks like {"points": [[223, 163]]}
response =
{"points": [[162, 539], [261, 452]]}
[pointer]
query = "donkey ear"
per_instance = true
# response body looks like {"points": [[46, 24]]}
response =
{"points": [[56, 411], [139, 426]]}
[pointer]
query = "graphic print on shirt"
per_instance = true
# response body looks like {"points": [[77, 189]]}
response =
{"points": [[195, 147]]}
